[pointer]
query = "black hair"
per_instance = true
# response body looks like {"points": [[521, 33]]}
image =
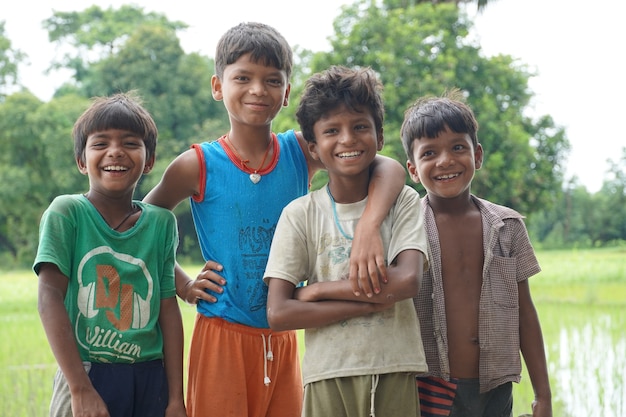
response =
{"points": [[429, 116], [263, 42], [358, 89], [122, 111]]}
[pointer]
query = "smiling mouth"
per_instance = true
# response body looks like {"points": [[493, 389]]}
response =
{"points": [[115, 168], [352, 154], [447, 176]]}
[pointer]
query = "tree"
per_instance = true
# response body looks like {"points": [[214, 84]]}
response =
{"points": [[421, 50], [35, 165], [9, 60], [403, 4], [96, 33]]}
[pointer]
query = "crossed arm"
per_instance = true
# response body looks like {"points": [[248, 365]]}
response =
{"points": [[324, 303]]}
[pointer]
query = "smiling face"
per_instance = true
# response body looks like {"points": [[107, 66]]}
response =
{"points": [[445, 165], [114, 160], [346, 142], [253, 93]]}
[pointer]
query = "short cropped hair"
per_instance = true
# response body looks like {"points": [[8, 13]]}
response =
{"points": [[358, 89], [429, 116], [122, 111], [265, 44]]}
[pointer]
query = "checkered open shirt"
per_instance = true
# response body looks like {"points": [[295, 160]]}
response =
{"points": [[509, 259]]}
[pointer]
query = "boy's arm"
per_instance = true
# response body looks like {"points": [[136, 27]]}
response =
{"points": [[286, 313], [405, 275], [56, 323], [180, 181], [367, 258], [171, 324], [532, 347]]}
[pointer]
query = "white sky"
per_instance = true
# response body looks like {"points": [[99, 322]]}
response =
{"points": [[574, 46]]}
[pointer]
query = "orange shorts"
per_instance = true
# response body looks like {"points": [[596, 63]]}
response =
{"points": [[231, 373]]}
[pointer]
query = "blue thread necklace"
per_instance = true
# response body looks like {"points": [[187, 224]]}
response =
{"points": [[332, 203]]}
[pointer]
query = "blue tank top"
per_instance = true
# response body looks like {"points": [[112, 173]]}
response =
{"points": [[235, 222]]}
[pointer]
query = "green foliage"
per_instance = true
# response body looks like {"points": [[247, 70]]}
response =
{"points": [[9, 60], [36, 164], [579, 218], [418, 49], [96, 33], [421, 49]]}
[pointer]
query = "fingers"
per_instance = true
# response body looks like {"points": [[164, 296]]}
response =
{"points": [[353, 278], [212, 266], [207, 284], [368, 277]]}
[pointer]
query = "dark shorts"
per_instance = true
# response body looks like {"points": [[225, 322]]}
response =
{"points": [[462, 398], [128, 390], [470, 403], [138, 389]]}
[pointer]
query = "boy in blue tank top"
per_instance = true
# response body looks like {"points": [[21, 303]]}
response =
{"points": [[238, 186], [107, 296]]}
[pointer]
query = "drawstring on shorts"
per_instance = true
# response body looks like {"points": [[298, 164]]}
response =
{"points": [[375, 379], [267, 356]]}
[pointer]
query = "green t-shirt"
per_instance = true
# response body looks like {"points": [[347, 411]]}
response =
{"points": [[116, 279]]}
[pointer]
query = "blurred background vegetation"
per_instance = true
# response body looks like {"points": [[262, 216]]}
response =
{"points": [[417, 48]]}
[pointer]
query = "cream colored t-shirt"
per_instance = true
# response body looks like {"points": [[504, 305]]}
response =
{"points": [[308, 244]]}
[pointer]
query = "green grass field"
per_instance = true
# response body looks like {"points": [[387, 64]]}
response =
{"points": [[574, 286]]}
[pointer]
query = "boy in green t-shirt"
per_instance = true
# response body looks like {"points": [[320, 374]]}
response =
{"points": [[107, 297]]}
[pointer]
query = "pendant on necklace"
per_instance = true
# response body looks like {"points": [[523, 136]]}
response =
{"points": [[255, 178]]}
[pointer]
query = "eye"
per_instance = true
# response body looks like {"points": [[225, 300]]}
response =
{"points": [[275, 82], [458, 147], [98, 145]]}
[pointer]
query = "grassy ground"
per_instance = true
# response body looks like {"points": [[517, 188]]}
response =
{"points": [[574, 286]]}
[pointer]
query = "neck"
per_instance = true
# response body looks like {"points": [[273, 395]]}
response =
{"points": [[350, 190], [250, 140], [452, 206]]}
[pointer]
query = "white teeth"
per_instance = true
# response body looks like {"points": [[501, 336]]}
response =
{"points": [[349, 154], [447, 177], [115, 168]]}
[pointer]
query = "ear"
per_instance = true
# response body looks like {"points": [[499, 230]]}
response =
{"points": [[313, 150], [413, 171], [82, 167], [149, 164], [380, 140], [286, 98], [478, 156], [216, 88]]}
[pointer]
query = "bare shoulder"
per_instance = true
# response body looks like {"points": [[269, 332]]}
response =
{"points": [[313, 164], [180, 180]]}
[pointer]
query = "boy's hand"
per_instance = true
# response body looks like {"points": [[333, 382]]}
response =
{"points": [[542, 408], [207, 280], [88, 402], [367, 261], [175, 410]]}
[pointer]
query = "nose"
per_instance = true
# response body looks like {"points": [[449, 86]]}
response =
{"points": [[346, 138], [445, 159], [115, 149], [258, 89]]}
